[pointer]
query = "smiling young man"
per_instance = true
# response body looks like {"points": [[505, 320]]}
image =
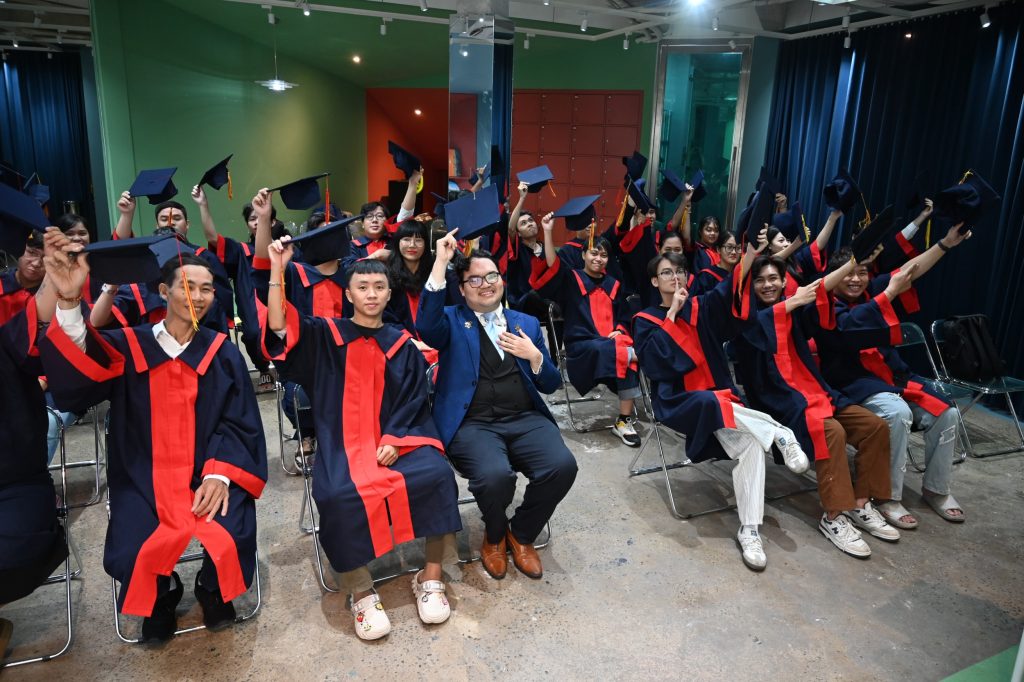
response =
{"points": [[18, 285], [488, 408], [186, 455], [379, 477]]}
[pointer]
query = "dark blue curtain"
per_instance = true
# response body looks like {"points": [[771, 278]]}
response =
{"points": [[43, 129], [907, 114]]}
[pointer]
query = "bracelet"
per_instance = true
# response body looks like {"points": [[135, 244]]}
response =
{"points": [[75, 301], [945, 249], [274, 284]]}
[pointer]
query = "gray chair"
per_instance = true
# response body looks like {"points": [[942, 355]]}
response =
{"points": [[976, 390], [97, 459], [559, 350]]}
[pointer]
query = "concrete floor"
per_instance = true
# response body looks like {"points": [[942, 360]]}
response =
{"points": [[628, 592]]}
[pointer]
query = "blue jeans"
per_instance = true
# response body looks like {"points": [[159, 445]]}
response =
{"points": [[939, 439], [295, 394], [53, 431]]}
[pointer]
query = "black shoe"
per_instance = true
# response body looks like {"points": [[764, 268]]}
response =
{"points": [[217, 614], [162, 623]]}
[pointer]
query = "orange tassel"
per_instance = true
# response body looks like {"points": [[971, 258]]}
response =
{"points": [[551, 187], [327, 201], [967, 174], [231, 193], [590, 239], [807, 230], [622, 211], [188, 297], [284, 307]]}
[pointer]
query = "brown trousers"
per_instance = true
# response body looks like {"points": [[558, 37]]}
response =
{"points": [[870, 435]]}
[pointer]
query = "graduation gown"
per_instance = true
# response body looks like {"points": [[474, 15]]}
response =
{"points": [[858, 357], [804, 266], [362, 247], [403, 308], [701, 256], [172, 422], [13, 297], [312, 292], [592, 309], [707, 279], [636, 247], [520, 268], [691, 387], [779, 375], [368, 391], [571, 255], [237, 257], [31, 539]]}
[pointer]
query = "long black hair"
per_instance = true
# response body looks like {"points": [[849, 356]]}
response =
{"points": [[402, 278]]}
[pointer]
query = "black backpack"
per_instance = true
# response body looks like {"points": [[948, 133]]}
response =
{"points": [[968, 350]]}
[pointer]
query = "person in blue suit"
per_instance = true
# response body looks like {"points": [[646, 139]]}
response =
{"points": [[493, 422]]}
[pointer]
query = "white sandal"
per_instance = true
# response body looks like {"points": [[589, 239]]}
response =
{"points": [[942, 504], [894, 511]]}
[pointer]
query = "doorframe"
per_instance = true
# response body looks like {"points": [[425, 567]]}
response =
{"points": [[665, 48]]}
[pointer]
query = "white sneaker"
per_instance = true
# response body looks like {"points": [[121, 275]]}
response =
{"points": [[624, 429], [844, 536], [871, 520], [792, 453], [749, 542], [370, 620], [430, 600]]}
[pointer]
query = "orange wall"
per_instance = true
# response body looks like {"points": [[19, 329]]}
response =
{"points": [[389, 116]]}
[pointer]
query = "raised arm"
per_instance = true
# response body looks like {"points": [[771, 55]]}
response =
{"points": [[101, 315], [479, 179], [409, 200], [126, 208], [209, 229], [825, 234], [513, 218], [261, 206], [280, 252], [547, 223], [927, 260], [754, 251]]}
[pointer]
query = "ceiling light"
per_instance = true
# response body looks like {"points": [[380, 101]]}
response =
{"points": [[625, 42], [732, 45], [60, 37], [696, 3], [15, 42], [547, 2], [985, 21], [526, 42], [846, 21], [383, 28], [714, 23], [423, 6], [846, 42], [418, 112], [271, 19], [464, 52], [584, 23], [305, 7], [275, 84], [908, 35], [356, 58]]}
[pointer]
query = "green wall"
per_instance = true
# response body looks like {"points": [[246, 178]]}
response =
{"points": [[175, 90]]}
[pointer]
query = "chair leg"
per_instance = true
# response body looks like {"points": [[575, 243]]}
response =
{"points": [[285, 464]]}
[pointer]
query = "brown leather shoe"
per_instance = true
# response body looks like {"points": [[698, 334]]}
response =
{"points": [[494, 559], [524, 557]]}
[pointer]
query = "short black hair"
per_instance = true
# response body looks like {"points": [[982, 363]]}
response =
{"points": [[765, 260], [315, 220], [69, 220], [840, 258], [676, 259], [705, 221], [247, 212], [602, 243], [369, 266], [462, 263], [169, 270], [169, 204], [370, 205]]}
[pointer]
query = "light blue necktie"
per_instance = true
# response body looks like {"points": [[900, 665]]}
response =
{"points": [[491, 327]]}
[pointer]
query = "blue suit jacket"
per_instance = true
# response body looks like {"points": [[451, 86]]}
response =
{"points": [[452, 330]]}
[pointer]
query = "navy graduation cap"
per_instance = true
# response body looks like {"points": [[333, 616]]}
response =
{"points": [[768, 181], [754, 217], [131, 261], [967, 201], [37, 190], [671, 186], [578, 212], [439, 203], [20, 214], [639, 196], [635, 165], [790, 223], [473, 213], [154, 184], [537, 178], [327, 242], [877, 232], [218, 176], [841, 192], [301, 194], [699, 190], [404, 160]]}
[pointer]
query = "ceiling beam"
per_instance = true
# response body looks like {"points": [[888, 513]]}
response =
{"points": [[46, 9], [56, 27]]}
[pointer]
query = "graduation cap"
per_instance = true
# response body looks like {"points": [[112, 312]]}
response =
{"points": [[218, 176], [439, 205], [768, 182], [790, 223], [473, 213], [130, 261], [699, 190], [639, 196], [842, 192], [301, 194], [671, 186], [404, 160], [20, 214], [635, 165], [578, 211], [327, 242], [155, 184], [966, 201], [756, 215], [537, 178], [876, 232], [37, 190]]}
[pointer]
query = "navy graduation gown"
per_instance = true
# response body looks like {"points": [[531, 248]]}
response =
{"points": [[31, 539], [691, 386], [804, 266], [172, 422], [592, 309], [312, 292], [13, 297], [859, 359], [707, 279], [237, 257], [368, 391], [701, 256], [776, 368]]}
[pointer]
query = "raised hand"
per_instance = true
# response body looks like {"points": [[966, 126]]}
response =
{"points": [[261, 204], [65, 268], [548, 221], [281, 252], [126, 204], [446, 247], [199, 196], [901, 281]]}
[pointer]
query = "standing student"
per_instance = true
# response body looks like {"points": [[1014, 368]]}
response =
{"points": [[379, 472], [186, 455], [488, 408]]}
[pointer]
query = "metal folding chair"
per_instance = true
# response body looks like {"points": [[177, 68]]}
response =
{"points": [[913, 337], [976, 390], [559, 350], [68, 575], [97, 460]]}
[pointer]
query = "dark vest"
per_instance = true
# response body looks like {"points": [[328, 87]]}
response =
{"points": [[499, 390]]}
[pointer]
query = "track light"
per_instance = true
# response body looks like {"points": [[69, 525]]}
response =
{"points": [[526, 42], [423, 6], [846, 21], [37, 20], [585, 23], [305, 7], [271, 19], [714, 23], [15, 42], [49, 55], [60, 37], [547, 2], [625, 42], [732, 45], [464, 52], [985, 21], [383, 27], [846, 42]]}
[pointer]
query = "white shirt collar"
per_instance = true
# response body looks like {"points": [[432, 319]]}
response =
{"points": [[167, 342]]}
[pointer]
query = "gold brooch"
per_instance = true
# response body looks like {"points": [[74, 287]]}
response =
{"points": [[469, 325], [518, 328]]}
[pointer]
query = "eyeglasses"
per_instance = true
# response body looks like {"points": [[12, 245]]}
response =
{"points": [[375, 216], [731, 249], [477, 281], [669, 274], [413, 241]]}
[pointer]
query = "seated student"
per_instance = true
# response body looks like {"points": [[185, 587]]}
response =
{"points": [[172, 218], [74, 227], [488, 409], [779, 375], [523, 249], [377, 227], [679, 344], [19, 284], [598, 347], [728, 256], [877, 378], [805, 262], [186, 455], [902, 246], [379, 472]]}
